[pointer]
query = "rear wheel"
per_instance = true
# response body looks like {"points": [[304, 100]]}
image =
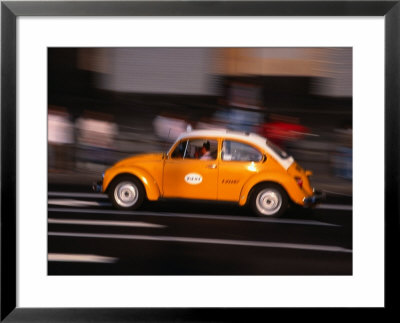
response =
{"points": [[269, 200], [126, 193]]}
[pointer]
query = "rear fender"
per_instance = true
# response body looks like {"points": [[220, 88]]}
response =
{"points": [[285, 181]]}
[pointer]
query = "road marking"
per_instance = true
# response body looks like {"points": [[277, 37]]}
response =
{"points": [[335, 207], [77, 194], [243, 243], [106, 223], [196, 216], [70, 202], [80, 258]]}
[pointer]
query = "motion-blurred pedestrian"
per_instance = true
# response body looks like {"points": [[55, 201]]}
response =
{"points": [[60, 139]]}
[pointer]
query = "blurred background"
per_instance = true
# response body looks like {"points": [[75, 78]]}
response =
{"points": [[108, 103]]}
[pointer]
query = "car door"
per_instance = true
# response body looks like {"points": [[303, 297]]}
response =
{"points": [[187, 174], [239, 161]]}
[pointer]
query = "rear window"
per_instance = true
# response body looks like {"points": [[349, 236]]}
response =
{"points": [[277, 150], [238, 151]]}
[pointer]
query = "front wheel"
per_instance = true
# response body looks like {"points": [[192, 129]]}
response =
{"points": [[127, 193], [269, 200]]}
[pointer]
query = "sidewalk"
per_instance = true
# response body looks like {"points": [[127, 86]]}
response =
{"points": [[74, 178]]}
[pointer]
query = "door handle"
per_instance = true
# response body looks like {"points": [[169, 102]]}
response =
{"points": [[212, 166]]}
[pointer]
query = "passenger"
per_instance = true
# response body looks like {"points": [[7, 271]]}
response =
{"points": [[205, 152]]}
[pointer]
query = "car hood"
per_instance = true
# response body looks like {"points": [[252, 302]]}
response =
{"points": [[140, 159]]}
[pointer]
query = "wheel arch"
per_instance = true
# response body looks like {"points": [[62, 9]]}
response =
{"points": [[257, 186], [275, 179], [150, 186]]}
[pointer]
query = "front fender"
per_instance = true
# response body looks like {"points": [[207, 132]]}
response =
{"points": [[287, 182], [150, 185]]}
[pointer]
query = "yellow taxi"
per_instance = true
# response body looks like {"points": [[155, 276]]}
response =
{"points": [[219, 165]]}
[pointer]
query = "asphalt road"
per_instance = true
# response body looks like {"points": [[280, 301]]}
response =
{"points": [[86, 236]]}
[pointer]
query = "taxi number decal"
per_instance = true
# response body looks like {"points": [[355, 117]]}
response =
{"points": [[230, 181], [193, 178]]}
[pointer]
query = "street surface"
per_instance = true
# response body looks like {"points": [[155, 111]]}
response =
{"points": [[86, 236]]}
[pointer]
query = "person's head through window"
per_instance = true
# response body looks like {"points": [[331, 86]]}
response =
{"points": [[205, 151]]}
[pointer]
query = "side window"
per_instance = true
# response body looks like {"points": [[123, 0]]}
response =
{"points": [[204, 149], [237, 151], [179, 151]]}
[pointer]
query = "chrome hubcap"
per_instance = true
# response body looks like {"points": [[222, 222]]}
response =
{"points": [[269, 201], [126, 194]]}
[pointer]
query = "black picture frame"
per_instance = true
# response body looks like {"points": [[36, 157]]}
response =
{"points": [[11, 10]]}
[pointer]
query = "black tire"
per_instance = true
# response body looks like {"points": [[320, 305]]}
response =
{"points": [[269, 200], [126, 193]]}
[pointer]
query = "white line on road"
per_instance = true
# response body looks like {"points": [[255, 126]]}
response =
{"points": [[70, 202], [77, 194], [80, 258], [264, 244], [106, 223], [196, 216]]}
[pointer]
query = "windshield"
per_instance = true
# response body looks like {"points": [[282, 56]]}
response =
{"points": [[277, 150]]}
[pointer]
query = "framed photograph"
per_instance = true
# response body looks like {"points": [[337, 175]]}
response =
{"points": [[197, 161]]}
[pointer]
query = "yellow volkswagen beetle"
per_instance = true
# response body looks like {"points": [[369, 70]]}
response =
{"points": [[219, 165]]}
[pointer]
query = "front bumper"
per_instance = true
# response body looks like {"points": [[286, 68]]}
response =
{"points": [[315, 199]]}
